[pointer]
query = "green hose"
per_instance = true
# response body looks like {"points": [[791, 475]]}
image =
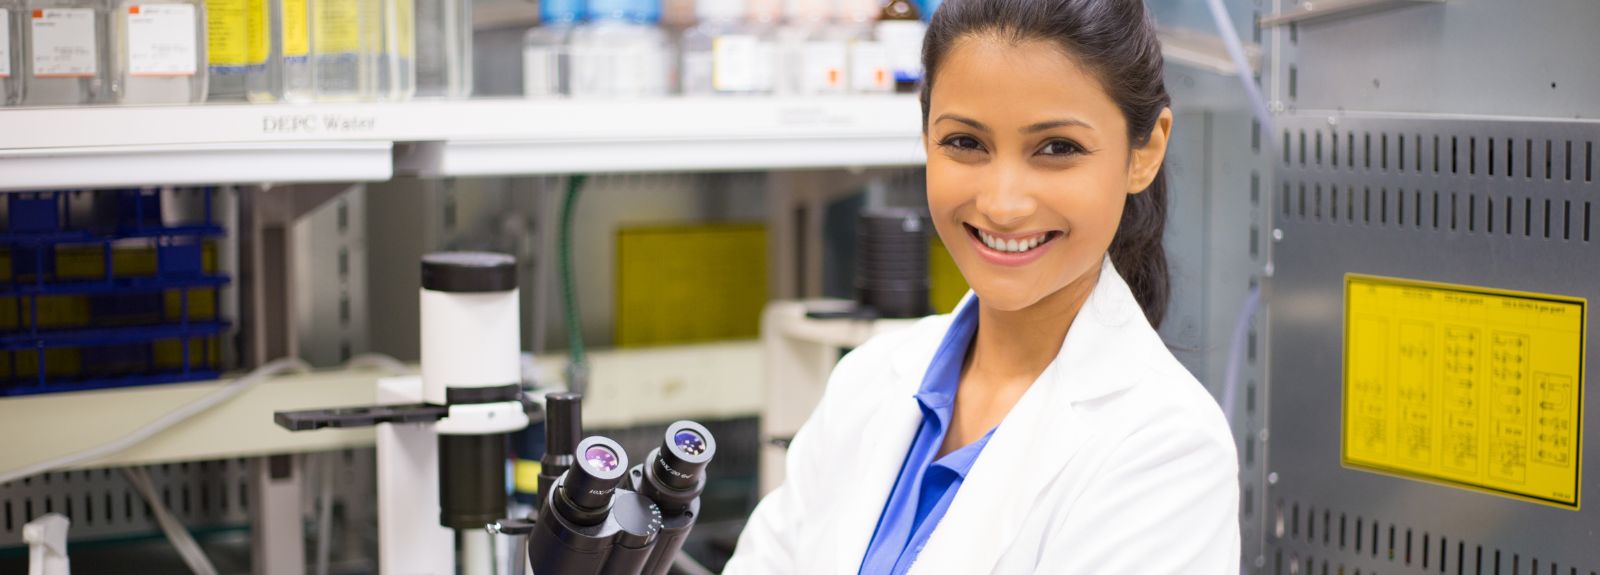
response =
{"points": [[577, 364]]}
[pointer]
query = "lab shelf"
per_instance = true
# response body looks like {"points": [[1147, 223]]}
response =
{"points": [[139, 145]]}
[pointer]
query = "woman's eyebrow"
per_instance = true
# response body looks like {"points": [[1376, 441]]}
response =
{"points": [[976, 125], [1053, 124]]}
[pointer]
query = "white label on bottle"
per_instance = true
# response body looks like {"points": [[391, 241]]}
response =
{"points": [[5, 43], [869, 68], [161, 40], [64, 43], [734, 63], [902, 39], [822, 66]]}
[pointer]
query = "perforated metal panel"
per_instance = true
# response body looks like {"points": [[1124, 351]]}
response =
{"points": [[1506, 204]]}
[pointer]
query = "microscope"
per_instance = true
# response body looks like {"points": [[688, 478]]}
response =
{"points": [[443, 443]]}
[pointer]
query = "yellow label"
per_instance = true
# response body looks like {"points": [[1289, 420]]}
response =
{"points": [[260, 40], [525, 475], [227, 32], [296, 36], [1472, 387], [338, 25]]}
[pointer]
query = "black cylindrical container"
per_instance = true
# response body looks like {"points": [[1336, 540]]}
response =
{"points": [[563, 428], [892, 261], [472, 480]]}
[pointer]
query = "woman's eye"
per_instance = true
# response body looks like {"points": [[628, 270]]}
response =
{"points": [[1061, 148], [962, 143]]}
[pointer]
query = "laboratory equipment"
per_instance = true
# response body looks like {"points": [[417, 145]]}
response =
{"points": [[900, 30], [11, 18], [457, 419], [227, 32], [280, 62], [159, 55], [66, 53], [443, 48], [620, 51], [546, 70], [598, 515], [892, 262]]}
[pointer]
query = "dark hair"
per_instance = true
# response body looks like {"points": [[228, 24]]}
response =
{"points": [[1116, 41]]}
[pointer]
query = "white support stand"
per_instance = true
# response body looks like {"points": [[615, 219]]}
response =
{"points": [[410, 539], [47, 545], [276, 527], [800, 354]]}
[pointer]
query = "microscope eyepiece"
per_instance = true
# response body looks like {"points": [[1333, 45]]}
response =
{"points": [[600, 467], [685, 450]]}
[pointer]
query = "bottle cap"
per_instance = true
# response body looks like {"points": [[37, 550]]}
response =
{"points": [[719, 9], [768, 11], [560, 11], [641, 11], [809, 10], [859, 10]]}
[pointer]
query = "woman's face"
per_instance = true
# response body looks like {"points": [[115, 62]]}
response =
{"points": [[1029, 165]]}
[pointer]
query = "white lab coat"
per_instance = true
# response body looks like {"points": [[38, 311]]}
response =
{"points": [[1115, 461]]}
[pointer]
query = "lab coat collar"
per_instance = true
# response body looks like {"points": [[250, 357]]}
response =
{"points": [[1029, 448]]}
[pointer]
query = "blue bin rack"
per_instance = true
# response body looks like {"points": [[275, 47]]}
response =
{"points": [[128, 316]]}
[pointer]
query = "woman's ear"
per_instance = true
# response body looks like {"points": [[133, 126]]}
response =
{"points": [[1147, 158]]}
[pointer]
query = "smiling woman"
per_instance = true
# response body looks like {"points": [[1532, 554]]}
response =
{"points": [[1043, 427]]}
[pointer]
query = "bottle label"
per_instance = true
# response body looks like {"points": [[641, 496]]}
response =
{"points": [[64, 43], [5, 43], [902, 39], [337, 26], [161, 40], [869, 68], [227, 35], [258, 38], [736, 63], [296, 35], [822, 66]]}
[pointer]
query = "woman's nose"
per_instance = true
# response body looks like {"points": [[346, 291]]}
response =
{"points": [[1006, 201]]}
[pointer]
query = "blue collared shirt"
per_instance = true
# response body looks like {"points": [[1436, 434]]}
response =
{"points": [[926, 486]]}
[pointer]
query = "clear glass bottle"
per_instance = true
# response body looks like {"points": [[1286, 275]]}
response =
{"points": [[444, 48], [11, 19], [361, 49], [869, 70], [66, 60], [900, 29], [281, 30], [812, 59], [227, 48], [546, 70], [725, 53], [621, 52], [159, 55]]}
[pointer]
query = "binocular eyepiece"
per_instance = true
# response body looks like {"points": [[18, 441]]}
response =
{"points": [[600, 466]]}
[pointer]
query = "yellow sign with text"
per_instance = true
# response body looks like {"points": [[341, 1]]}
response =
{"points": [[1472, 387]]}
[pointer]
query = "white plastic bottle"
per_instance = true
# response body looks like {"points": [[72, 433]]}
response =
{"points": [[868, 63], [813, 60], [444, 48], [160, 52], [66, 60], [11, 19], [280, 47], [546, 69], [227, 48], [621, 52]]}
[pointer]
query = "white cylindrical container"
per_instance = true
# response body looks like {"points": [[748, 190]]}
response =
{"points": [[470, 323]]}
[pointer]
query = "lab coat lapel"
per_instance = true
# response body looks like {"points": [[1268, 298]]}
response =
{"points": [[884, 444], [1040, 435]]}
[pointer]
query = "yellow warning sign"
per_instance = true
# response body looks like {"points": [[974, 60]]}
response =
{"points": [[1472, 387]]}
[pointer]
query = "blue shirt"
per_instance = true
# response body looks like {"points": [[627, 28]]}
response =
{"points": [[926, 486]]}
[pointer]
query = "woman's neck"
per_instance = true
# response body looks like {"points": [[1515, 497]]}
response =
{"points": [[1013, 347]]}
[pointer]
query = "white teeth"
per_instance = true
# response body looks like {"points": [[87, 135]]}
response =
{"points": [[1011, 246]]}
